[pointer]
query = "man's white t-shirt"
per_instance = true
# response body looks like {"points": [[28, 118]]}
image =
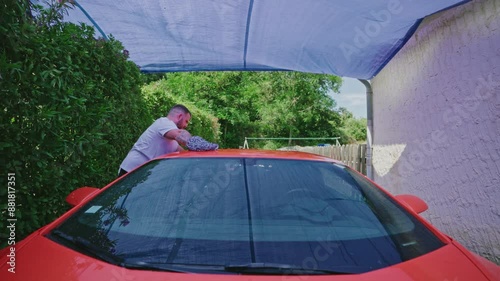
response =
{"points": [[151, 144]]}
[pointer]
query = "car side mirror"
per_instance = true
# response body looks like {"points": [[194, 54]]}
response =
{"points": [[79, 195], [413, 202]]}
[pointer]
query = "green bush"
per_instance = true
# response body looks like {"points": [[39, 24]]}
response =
{"points": [[71, 110]]}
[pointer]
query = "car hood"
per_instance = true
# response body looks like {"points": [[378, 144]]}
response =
{"points": [[43, 259]]}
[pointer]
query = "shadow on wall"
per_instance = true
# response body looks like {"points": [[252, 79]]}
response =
{"points": [[453, 165]]}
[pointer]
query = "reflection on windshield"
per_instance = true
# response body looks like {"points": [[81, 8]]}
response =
{"points": [[231, 211]]}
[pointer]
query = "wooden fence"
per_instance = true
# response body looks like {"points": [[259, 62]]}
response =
{"points": [[353, 155]]}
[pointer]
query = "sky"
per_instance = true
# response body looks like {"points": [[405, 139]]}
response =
{"points": [[352, 96]]}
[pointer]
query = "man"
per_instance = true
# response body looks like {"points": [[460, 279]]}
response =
{"points": [[165, 135]]}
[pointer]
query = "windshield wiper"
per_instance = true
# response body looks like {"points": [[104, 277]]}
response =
{"points": [[86, 246], [279, 269], [90, 249], [157, 267]]}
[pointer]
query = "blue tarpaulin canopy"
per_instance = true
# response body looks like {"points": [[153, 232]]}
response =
{"points": [[350, 38]]}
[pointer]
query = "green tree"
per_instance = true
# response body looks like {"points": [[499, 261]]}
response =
{"points": [[354, 128], [270, 104], [300, 106]]}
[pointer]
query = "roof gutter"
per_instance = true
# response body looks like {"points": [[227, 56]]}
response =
{"points": [[369, 131]]}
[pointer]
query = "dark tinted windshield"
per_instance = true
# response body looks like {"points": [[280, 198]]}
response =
{"points": [[220, 212]]}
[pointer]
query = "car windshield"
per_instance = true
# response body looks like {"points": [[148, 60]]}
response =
{"points": [[224, 213]]}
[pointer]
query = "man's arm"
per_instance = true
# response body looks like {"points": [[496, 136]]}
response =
{"points": [[180, 135]]}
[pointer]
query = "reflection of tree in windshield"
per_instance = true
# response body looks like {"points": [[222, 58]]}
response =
{"points": [[114, 214], [107, 218]]}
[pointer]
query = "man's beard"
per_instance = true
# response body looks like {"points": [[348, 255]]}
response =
{"points": [[179, 123]]}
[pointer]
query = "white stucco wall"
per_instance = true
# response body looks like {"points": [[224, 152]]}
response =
{"points": [[437, 123]]}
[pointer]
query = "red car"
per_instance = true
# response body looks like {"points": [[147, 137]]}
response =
{"points": [[242, 215]]}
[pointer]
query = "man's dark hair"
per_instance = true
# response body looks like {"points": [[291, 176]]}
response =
{"points": [[179, 107]]}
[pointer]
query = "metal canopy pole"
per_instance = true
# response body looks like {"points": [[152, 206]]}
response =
{"points": [[369, 124]]}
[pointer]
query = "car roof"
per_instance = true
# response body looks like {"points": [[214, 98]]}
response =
{"points": [[250, 153]]}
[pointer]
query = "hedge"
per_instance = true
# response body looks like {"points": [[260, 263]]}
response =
{"points": [[71, 109]]}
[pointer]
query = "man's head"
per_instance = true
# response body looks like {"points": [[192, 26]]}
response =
{"points": [[180, 115]]}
